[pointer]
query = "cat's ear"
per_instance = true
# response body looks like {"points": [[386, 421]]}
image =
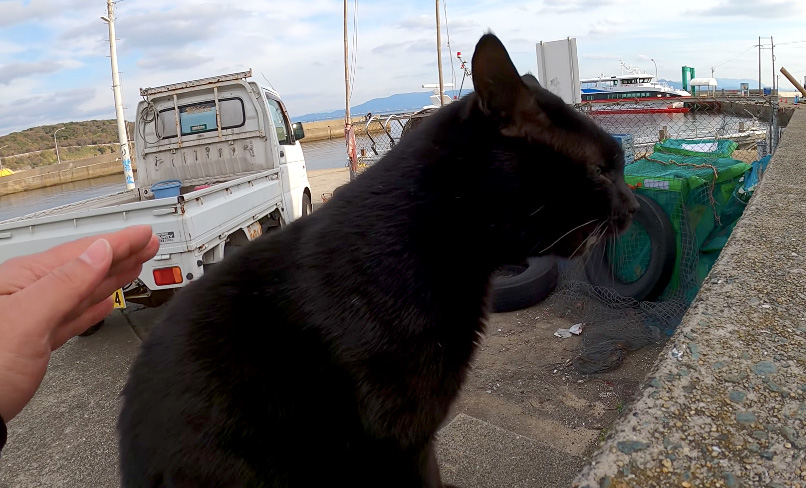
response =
{"points": [[496, 79]]}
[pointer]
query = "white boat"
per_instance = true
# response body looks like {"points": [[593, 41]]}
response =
{"points": [[633, 87], [435, 95]]}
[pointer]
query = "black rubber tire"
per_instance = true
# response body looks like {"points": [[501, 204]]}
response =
{"points": [[307, 206], [661, 264], [534, 283], [95, 328]]}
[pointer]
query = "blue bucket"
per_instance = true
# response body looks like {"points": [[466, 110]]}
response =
{"points": [[166, 189]]}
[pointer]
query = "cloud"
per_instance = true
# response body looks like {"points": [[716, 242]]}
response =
{"points": [[605, 26], [428, 23], [769, 9], [14, 12], [598, 56], [176, 28], [419, 45], [13, 71], [48, 108], [569, 6], [172, 61]]}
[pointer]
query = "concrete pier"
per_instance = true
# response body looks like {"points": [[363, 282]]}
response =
{"points": [[731, 411]]}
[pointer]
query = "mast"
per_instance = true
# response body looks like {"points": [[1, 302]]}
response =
{"points": [[346, 72], [439, 58]]}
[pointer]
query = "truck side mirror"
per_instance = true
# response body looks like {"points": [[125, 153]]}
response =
{"points": [[299, 131]]}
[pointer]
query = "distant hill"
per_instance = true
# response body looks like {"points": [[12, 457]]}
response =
{"points": [[721, 83], [399, 102], [35, 147]]}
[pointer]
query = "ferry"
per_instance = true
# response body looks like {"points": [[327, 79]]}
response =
{"points": [[631, 92]]}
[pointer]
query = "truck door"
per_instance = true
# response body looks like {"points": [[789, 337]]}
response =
{"points": [[292, 161]]}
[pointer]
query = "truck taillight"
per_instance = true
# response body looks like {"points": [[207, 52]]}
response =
{"points": [[168, 276]]}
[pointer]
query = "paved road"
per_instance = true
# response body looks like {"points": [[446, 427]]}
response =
{"points": [[66, 436]]}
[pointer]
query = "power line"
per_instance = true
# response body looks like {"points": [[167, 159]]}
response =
{"points": [[736, 57]]}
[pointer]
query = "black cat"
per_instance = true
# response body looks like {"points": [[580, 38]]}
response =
{"points": [[328, 353]]}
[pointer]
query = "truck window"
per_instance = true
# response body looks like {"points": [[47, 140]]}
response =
{"points": [[281, 125], [200, 117]]}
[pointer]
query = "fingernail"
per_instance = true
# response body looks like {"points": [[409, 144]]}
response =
{"points": [[95, 255]]}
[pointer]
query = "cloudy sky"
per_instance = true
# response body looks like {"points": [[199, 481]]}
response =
{"points": [[54, 64]]}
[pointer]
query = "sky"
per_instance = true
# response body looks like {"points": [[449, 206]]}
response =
{"points": [[54, 54]]}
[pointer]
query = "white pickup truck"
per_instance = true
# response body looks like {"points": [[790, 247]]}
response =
{"points": [[227, 147]]}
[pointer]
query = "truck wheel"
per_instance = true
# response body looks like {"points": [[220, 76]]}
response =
{"points": [[307, 206], [92, 329], [517, 287]]}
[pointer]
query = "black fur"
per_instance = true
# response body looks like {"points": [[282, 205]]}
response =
{"points": [[328, 353]]}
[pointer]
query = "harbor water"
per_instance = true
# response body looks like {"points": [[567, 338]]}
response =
{"points": [[330, 154], [318, 155]]}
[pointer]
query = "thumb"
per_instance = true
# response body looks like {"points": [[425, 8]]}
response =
{"points": [[50, 299]]}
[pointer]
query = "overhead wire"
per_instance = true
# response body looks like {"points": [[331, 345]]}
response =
{"points": [[354, 50], [448, 33]]}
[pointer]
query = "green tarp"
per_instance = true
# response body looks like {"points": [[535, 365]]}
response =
{"points": [[711, 148], [700, 197]]}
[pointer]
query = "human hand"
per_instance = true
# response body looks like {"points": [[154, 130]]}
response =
{"points": [[49, 297]]}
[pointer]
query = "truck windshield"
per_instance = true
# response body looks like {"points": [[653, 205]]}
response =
{"points": [[200, 117]]}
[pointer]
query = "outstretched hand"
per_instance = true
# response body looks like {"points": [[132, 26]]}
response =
{"points": [[50, 297]]}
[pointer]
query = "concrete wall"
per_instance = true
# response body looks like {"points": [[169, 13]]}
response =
{"points": [[334, 129], [729, 407], [57, 174]]}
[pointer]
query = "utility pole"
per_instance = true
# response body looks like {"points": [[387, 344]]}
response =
{"points": [[759, 65], [439, 57], [122, 137], [58, 158], [772, 52]]}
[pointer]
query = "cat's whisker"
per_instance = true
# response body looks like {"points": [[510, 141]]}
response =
{"points": [[536, 211], [566, 234], [587, 241], [602, 234]]}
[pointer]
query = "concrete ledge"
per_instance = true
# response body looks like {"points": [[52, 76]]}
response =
{"points": [[58, 174], [732, 411]]}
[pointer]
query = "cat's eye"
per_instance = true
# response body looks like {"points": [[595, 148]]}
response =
{"points": [[597, 171]]}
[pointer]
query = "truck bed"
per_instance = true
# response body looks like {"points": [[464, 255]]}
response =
{"points": [[192, 219]]}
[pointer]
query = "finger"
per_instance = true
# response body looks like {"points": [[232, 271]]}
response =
{"points": [[20, 272], [66, 287], [124, 243], [123, 273], [90, 317], [104, 291]]}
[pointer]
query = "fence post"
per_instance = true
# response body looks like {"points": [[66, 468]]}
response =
{"points": [[774, 125], [663, 134]]}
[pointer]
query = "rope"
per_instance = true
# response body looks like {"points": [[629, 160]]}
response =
{"points": [[712, 186]]}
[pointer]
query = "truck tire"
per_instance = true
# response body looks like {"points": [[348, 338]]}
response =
{"points": [[520, 286], [663, 247], [307, 206], [93, 329]]}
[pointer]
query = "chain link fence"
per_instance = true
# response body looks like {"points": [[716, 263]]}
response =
{"points": [[751, 122], [380, 133], [693, 158]]}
